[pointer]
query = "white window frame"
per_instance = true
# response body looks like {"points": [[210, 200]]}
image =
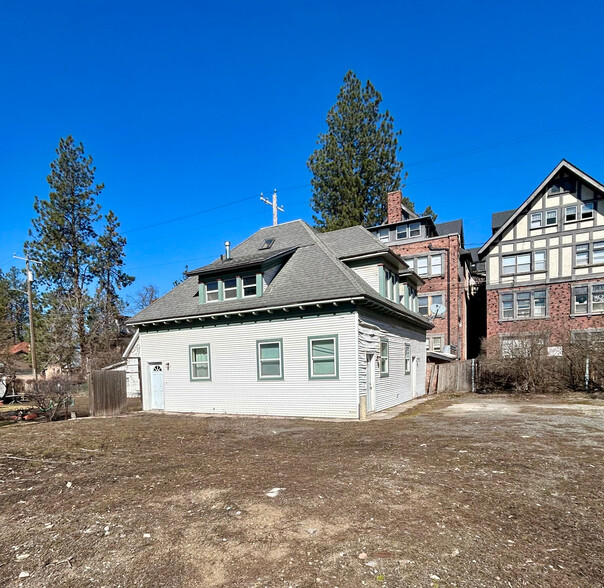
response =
{"points": [[231, 290], [537, 262], [254, 284], [572, 214], [407, 358], [415, 229], [587, 210], [400, 229], [384, 234], [548, 213], [384, 357], [536, 221], [193, 364], [260, 361], [323, 358], [507, 298], [589, 302], [213, 291]]}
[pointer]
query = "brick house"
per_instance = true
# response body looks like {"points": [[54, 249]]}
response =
{"points": [[545, 264], [436, 253]]}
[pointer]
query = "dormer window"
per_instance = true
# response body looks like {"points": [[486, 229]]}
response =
{"points": [[230, 288], [249, 286], [401, 232], [415, 230], [212, 291], [384, 235]]}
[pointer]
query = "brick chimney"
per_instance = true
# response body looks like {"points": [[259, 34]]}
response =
{"points": [[395, 212]]}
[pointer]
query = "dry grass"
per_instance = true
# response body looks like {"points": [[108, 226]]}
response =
{"points": [[477, 491]]}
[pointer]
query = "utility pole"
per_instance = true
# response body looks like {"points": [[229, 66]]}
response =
{"points": [[32, 338], [276, 208]]}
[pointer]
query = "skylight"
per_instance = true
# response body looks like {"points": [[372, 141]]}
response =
{"points": [[267, 244]]}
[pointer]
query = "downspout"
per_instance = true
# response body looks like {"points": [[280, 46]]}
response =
{"points": [[448, 278]]}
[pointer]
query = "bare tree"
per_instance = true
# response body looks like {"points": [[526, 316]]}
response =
{"points": [[144, 297]]}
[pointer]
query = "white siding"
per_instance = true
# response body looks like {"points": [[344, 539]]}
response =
{"points": [[235, 389], [370, 274], [396, 387]]}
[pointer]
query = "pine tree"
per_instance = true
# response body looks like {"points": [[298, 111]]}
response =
{"points": [[64, 235], [356, 163]]}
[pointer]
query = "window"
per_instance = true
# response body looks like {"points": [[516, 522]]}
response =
{"points": [[551, 217], [523, 305], [384, 235], [407, 359], [436, 265], [570, 214], [435, 343], [212, 291], [562, 185], [267, 244], [425, 304], [422, 266], [384, 357], [589, 253], [588, 299], [415, 230], [536, 220], [401, 232], [323, 357], [230, 288], [199, 357], [390, 281], [582, 254], [270, 359], [521, 263], [249, 286], [587, 210]]}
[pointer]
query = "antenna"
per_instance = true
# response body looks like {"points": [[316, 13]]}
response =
{"points": [[272, 203]]}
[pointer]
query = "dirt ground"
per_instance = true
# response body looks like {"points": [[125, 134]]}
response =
{"points": [[466, 491]]}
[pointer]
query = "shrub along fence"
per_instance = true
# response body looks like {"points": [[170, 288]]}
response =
{"points": [[107, 393]]}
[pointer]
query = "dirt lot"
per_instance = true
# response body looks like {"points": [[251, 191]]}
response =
{"points": [[464, 491]]}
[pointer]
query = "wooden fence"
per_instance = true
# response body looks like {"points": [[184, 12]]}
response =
{"points": [[107, 393], [450, 377]]}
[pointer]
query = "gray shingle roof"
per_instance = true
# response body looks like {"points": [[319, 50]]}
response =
{"points": [[454, 227], [312, 273], [498, 219], [352, 241]]}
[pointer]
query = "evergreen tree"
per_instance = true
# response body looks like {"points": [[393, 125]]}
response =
{"points": [[356, 163], [14, 308], [64, 235]]}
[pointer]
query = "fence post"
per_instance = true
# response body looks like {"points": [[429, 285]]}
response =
{"points": [[586, 374], [473, 375]]}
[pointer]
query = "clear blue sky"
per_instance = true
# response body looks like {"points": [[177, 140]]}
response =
{"points": [[190, 106]]}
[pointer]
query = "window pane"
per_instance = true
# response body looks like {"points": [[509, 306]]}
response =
{"points": [[587, 210], [580, 299], [384, 349], [437, 264], [422, 266], [437, 344], [230, 288], [414, 230], [270, 368], [597, 298], [509, 264], [438, 299], [200, 354], [599, 252], [323, 367], [269, 351], [523, 304], [524, 262], [507, 305], [383, 234], [551, 217], [539, 299], [401, 232], [422, 302], [582, 255], [212, 291], [535, 220], [201, 371], [323, 348], [410, 262], [539, 260], [570, 213]]}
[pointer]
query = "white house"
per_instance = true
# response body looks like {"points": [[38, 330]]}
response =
{"points": [[289, 323]]}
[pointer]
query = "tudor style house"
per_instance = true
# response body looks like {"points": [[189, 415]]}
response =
{"points": [[545, 263], [288, 323], [436, 253]]}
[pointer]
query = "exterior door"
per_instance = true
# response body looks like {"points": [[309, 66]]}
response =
{"points": [[370, 382], [156, 379], [414, 376]]}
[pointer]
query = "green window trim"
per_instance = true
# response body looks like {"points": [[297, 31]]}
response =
{"points": [[384, 357], [323, 359], [266, 361], [200, 363], [240, 288], [382, 279]]}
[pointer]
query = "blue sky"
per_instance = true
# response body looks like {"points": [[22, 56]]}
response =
{"points": [[191, 109]]}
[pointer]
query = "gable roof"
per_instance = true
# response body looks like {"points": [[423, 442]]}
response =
{"points": [[312, 273], [353, 242], [498, 219], [534, 195]]}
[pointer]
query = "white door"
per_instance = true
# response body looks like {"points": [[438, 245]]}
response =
{"points": [[370, 382], [156, 378], [414, 376]]}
